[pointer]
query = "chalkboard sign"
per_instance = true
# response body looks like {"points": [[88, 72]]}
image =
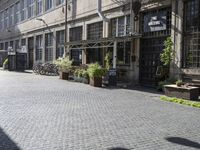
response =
{"points": [[112, 80], [112, 72]]}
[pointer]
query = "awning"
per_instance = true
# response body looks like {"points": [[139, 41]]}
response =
{"points": [[100, 43]]}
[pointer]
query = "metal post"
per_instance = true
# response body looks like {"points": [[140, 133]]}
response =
{"points": [[131, 17], [115, 55], [66, 31]]}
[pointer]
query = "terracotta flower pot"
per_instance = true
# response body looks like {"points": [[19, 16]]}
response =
{"points": [[64, 75], [96, 81]]}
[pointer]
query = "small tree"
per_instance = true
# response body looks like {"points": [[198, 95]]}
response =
{"points": [[167, 55]]}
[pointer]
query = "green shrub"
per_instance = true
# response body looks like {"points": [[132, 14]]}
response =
{"points": [[179, 83], [181, 101], [95, 70]]}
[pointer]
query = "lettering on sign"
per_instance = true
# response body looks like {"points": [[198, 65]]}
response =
{"points": [[155, 21]]}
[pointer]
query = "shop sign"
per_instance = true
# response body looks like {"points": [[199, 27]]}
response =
{"points": [[155, 21]]}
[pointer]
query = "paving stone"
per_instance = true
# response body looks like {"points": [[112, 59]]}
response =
{"points": [[45, 113]]}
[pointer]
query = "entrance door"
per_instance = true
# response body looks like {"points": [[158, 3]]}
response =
{"points": [[150, 60], [30, 52]]}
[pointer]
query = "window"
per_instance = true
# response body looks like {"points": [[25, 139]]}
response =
{"points": [[60, 40], [17, 12], [11, 13], [31, 4], [75, 34], [120, 26], [95, 31], [49, 47], [191, 52], [23, 10], [17, 45], [49, 4], [11, 44], [123, 53], [23, 42], [1, 46], [39, 7], [76, 55], [39, 47], [58, 2], [6, 46], [94, 55], [1, 21], [6, 19]]}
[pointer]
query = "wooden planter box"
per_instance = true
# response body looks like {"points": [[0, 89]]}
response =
{"points": [[64, 75], [190, 92], [96, 82]]}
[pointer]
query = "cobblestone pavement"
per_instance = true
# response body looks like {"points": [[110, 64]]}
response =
{"points": [[45, 113]]}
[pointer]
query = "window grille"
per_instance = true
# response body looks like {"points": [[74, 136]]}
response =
{"points": [[120, 26], [39, 47], [39, 7], [11, 13], [95, 31], [49, 4], [12, 44], [17, 45], [60, 40], [1, 46], [75, 34], [123, 53], [1, 21], [6, 45], [58, 2], [17, 12], [191, 52], [49, 47], [23, 10], [6, 19], [23, 42], [31, 4]]}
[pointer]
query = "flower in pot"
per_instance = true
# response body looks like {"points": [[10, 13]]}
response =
{"points": [[95, 72], [64, 66]]}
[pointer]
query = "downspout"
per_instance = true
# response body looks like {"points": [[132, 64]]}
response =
{"points": [[99, 11]]}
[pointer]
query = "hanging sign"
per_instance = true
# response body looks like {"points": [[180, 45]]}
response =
{"points": [[155, 21], [11, 51]]}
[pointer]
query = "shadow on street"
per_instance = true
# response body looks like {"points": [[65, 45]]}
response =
{"points": [[183, 141], [6, 142]]}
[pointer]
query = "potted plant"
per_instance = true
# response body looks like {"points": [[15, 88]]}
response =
{"points": [[108, 64], [64, 66], [95, 72], [179, 83]]}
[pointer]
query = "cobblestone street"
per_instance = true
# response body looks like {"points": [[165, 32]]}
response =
{"points": [[45, 113]]}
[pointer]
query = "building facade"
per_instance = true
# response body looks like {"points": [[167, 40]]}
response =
{"points": [[132, 31]]}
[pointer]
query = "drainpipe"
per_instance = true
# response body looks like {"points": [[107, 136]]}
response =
{"points": [[99, 11]]}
